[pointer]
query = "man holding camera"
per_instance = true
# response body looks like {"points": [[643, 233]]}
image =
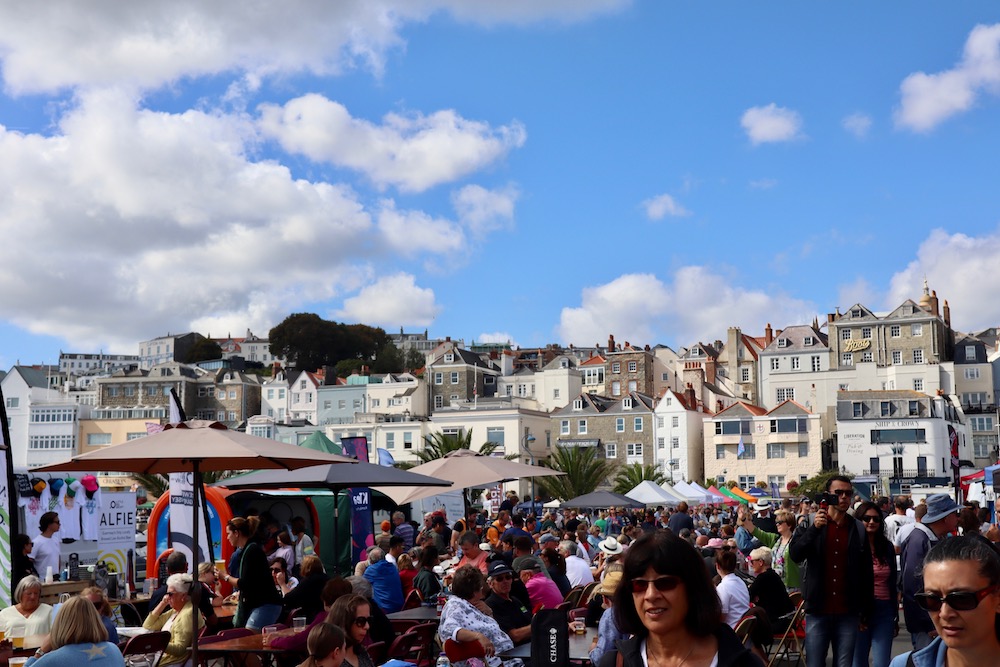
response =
{"points": [[838, 583]]}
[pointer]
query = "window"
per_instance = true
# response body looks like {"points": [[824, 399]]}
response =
{"points": [[407, 440], [633, 385], [151, 391], [916, 329], [578, 404], [845, 334], [221, 416], [616, 367], [390, 441], [633, 449], [619, 424], [918, 356], [785, 394], [632, 367], [497, 436], [674, 421], [637, 424], [918, 384], [808, 341], [732, 427], [815, 363], [659, 422], [775, 363], [974, 398], [749, 451], [661, 443], [775, 450], [885, 408], [675, 443], [720, 451], [898, 435], [913, 407], [782, 342], [98, 439], [873, 465], [439, 401], [281, 394], [449, 358], [439, 378], [776, 480], [897, 357], [981, 423], [593, 376], [866, 333], [744, 374], [627, 403], [232, 415], [270, 394], [564, 427], [970, 373], [894, 331], [581, 427], [858, 409], [611, 450], [982, 449], [970, 352], [555, 394], [454, 377], [803, 450], [112, 391], [847, 359], [616, 388], [746, 481], [795, 363]]}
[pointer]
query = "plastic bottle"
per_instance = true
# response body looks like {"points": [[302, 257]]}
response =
{"points": [[443, 661]]}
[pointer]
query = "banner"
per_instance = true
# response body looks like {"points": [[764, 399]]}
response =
{"points": [[116, 534], [361, 508], [8, 506], [181, 526]]}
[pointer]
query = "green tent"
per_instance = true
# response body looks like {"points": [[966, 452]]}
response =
{"points": [[726, 492], [320, 443]]}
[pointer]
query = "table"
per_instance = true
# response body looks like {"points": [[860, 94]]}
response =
{"points": [[579, 647], [229, 649], [420, 613]]}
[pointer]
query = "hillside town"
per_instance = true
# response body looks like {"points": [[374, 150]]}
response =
{"points": [[877, 395]]}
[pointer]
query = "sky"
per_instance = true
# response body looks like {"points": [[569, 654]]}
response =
{"points": [[522, 171]]}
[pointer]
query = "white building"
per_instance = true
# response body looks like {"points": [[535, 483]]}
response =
{"points": [[44, 423], [678, 431], [274, 397]]}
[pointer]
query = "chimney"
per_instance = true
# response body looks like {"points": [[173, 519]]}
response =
{"points": [[275, 368], [769, 334], [647, 347], [710, 370], [947, 313], [611, 343], [447, 339], [717, 345], [934, 303], [829, 317], [689, 397]]}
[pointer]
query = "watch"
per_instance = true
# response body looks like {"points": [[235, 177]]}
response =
{"points": [[39, 652]]}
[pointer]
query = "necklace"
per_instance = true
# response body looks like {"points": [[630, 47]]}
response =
{"points": [[683, 660]]}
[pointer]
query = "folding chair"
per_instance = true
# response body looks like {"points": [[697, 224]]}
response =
{"points": [[744, 627], [791, 643], [463, 650], [146, 645]]}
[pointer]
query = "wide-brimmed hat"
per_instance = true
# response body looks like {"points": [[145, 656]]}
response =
{"points": [[939, 506], [610, 545], [609, 584], [762, 505]]}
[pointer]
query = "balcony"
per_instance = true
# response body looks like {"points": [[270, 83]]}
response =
{"points": [[978, 408], [907, 473]]}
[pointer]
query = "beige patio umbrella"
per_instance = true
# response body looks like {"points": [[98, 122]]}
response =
{"points": [[196, 446], [467, 469]]}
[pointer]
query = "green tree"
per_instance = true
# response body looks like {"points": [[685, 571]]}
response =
{"points": [[437, 445], [631, 475], [156, 485], [816, 485], [388, 360], [204, 349], [365, 342], [346, 367], [585, 468], [414, 360], [308, 341]]}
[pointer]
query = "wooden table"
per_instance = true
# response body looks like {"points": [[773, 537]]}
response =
{"points": [[579, 647], [420, 613], [231, 649]]}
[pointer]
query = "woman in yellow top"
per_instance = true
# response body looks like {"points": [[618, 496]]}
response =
{"points": [[176, 621], [29, 616]]}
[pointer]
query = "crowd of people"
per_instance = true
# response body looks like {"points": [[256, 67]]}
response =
{"points": [[667, 586]]}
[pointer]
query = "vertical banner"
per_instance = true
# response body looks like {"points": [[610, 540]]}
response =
{"points": [[361, 508], [8, 506], [955, 468], [181, 526], [116, 534]]}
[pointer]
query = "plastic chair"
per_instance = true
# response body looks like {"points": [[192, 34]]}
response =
{"points": [[790, 644], [401, 625], [413, 600], [588, 592], [404, 646], [377, 651], [235, 633], [566, 606], [463, 650], [151, 643], [573, 596], [427, 633], [578, 614], [290, 615]]}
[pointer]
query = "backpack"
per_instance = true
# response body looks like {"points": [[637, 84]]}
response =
{"points": [[550, 639]]}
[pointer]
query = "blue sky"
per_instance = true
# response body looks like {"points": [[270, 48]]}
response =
{"points": [[533, 172]]}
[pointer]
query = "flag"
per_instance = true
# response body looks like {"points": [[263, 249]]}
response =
{"points": [[740, 448], [385, 458], [8, 507], [176, 411]]}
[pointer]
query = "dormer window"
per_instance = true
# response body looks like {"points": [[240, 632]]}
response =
{"points": [[856, 312], [782, 342], [564, 363], [448, 358], [808, 340], [578, 404], [627, 404]]}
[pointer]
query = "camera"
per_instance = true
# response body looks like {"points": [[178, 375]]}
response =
{"points": [[828, 498]]}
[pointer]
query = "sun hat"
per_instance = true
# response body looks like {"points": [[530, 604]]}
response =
{"points": [[762, 505], [610, 545], [939, 506], [716, 543], [609, 584]]}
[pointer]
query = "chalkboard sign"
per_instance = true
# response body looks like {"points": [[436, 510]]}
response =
{"points": [[23, 485]]}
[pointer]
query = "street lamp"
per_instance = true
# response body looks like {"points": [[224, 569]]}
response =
{"points": [[525, 439]]}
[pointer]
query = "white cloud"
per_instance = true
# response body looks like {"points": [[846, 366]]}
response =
{"points": [[392, 302], [484, 211], [412, 233], [497, 337], [962, 270], [857, 124], [411, 152], [771, 124], [929, 99], [663, 205], [64, 43], [697, 305]]}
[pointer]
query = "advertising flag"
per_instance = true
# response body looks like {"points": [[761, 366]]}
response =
{"points": [[740, 448], [8, 514], [361, 508]]}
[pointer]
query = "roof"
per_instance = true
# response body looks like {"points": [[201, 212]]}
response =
{"points": [[876, 394], [33, 377], [789, 407], [739, 408], [794, 337], [595, 360]]}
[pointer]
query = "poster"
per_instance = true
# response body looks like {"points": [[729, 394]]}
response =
{"points": [[116, 532], [361, 510], [181, 526]]}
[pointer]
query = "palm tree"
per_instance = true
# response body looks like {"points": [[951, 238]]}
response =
{"points": [[437, 445], [156, 485], [585, 468], [631, 475]]}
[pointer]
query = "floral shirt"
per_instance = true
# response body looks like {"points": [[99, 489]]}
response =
{"points": [[458, 614]]}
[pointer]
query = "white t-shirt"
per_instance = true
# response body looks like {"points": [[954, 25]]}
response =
{"points": [[34, 508], [735, 599], [893, 523], [46, 554], [90, 514], [578, 572], [304, 547], [69, 515]]}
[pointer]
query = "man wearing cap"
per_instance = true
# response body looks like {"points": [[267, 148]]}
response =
{"points": [[941, 519], [764, 520], [541, 589], [511, 614], [838, 584]]}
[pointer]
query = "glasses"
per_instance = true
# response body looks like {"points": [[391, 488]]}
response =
{"points": [[957, 600], [844, 492], [362, 621], [503, 577], [869, 518], [663, 584]]}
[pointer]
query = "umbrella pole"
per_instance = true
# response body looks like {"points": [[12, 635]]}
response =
{"points": [[195, 548]]}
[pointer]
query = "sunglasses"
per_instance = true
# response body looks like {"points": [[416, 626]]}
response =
{"points": [[503, 577], [957, 600], [663, 584], [869, 518], [362, 621], [844, 492]]}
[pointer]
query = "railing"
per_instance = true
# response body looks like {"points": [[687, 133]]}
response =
{"points": [[978, 408], [906, 472]]}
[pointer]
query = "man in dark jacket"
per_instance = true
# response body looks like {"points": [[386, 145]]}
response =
{"points": [[837, 585], [941, 519]]}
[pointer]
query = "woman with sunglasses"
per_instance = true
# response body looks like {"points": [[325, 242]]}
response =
{"points": [[463, 618], [962, 595], [352, 614], [177, 621], [876, 636], [668, 604]]}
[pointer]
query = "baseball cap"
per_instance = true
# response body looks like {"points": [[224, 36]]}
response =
{"points": [[531, 564], [499, 567]]}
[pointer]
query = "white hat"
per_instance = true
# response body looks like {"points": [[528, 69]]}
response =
{"points": [[762, 505], [610, 545]]}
